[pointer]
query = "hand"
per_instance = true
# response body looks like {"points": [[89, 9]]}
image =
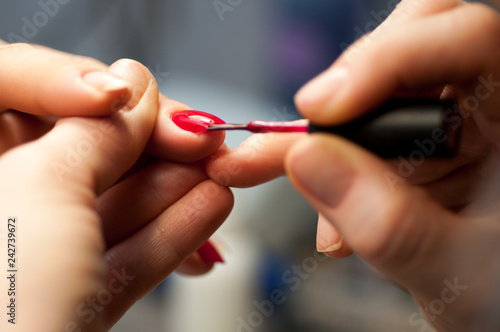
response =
{"points": [[434, 229], [108, 201]]}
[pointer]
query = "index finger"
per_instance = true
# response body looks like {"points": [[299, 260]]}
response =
{"points": [[38, 81]]}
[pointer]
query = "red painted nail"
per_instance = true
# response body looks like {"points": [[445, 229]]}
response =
{"points": [[195, 121], [209, 253]]}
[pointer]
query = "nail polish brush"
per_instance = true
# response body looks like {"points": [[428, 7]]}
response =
{"points": [[400, 127]]}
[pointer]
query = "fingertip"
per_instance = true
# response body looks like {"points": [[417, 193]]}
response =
{"points": [[342, 252], [101, 94], [321, 169], [105, 81], [171, 142], [194, 265], [229, 200], [209, 253], [231, 167], [317, 100], [329, 241], [137, 76], [111, 144], [72, 89], [45, 82], [385, 224]]}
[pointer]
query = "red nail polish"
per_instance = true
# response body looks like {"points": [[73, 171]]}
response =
{"points": [[195, 121], [209, 254]]}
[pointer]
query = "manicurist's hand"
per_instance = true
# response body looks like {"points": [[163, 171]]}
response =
{"points": [[102, 196], [433, 227]]}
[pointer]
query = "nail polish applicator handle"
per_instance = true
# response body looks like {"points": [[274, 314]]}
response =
{"points": [[415, 128]]}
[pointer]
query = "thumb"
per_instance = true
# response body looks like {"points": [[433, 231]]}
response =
{"points": [[393, 226], [94, 148], [57, 179]]}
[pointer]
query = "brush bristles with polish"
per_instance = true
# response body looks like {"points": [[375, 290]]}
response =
{"points": [[300, 126], [227, 126]]}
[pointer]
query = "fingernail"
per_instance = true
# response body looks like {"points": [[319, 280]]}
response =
{"points": [[321, 90], [195, 121], [318, 168], [209, 253], [335, 247], [105, 81]]}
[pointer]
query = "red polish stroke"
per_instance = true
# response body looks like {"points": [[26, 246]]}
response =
{"points": [[195, 121]]}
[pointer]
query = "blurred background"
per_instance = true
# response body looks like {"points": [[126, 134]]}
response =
{"points": [[240, 60]]}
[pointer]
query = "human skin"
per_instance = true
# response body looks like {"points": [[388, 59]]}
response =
{"points": [[109, 196], [424, 230]]}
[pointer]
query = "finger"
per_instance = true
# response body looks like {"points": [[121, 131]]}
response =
{"points": [[17, 128], [85, 60], [329, 241], [103, 140], [201, 261], [334, 96], [170, 142], [167, 141], [257, 160], [394, 227], [38, 81], [405, 11], [410, 9], [57, 178], [131, 204], [156, 250], [398, 229], [194, 265]]}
